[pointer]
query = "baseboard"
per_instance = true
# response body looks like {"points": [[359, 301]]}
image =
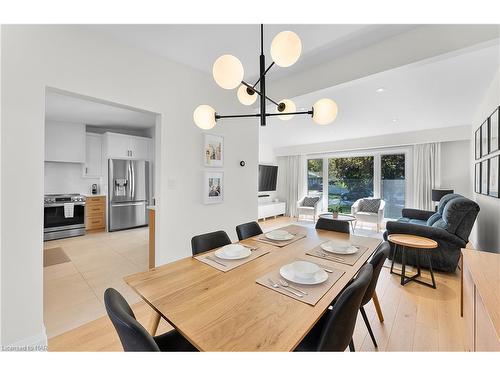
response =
{"points": [[36, 343]]}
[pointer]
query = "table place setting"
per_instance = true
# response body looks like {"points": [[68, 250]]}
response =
{"points": [[280, 237], [338, 251], [302, 280], [231, 256]]}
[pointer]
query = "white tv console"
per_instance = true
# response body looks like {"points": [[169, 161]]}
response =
{"points": [[271, 209]]}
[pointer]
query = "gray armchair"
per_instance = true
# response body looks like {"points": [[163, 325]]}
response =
{"points": [[449, 226]]}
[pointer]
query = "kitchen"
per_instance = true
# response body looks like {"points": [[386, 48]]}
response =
{"points": [[99, 184]]}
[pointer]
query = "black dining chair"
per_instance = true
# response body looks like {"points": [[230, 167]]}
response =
{"points": [[133, 335], [333, 225], [248, 230], [333, 332], [209, 241], [377, 262]]}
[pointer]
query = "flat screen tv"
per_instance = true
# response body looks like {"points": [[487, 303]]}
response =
{"points": [[268, 175]]}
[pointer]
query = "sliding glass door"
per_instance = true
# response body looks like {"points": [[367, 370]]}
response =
{"points": [[349, 179], [393, 184], [372, 174]]}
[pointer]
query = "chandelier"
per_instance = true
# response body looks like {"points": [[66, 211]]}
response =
{"points": [[228, 73]]}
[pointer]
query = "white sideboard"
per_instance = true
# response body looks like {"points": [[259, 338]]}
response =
{"points": [[269, 209]]}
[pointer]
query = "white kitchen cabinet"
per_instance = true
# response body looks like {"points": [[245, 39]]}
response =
{"points": [[127, 146], [93, 156], [64, 142]]}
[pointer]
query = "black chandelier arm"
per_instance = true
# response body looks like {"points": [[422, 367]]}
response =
{"points": [[217, 116], [265, 72], [258, 92]]}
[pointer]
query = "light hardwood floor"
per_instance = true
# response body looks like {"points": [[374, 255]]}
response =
{"points": [[417, 318]]}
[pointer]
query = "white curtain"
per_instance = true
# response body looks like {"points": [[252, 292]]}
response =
{"points": [[426, 174], [292, 181]]}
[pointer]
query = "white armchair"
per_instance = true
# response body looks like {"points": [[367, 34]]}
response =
{"points": [[367, 216], [308, 210]]}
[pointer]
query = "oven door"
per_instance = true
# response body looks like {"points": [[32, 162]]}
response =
{"points": [[54, 220]]}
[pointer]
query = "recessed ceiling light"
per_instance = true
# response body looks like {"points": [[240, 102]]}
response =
{"points": [[394, 120], [380, 89]]}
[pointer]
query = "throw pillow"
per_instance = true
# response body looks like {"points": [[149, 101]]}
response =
{"points": [[369, 205], [310, 201]]}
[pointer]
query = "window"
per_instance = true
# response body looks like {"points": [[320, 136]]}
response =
{"points": [[349, 179], [392, 189], [315, 177]]}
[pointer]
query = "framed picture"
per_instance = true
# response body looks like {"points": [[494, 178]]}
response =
{"points": [[493, 120], [493, 176], [213, 150], [484, 139], [477, 178], [478, 143], [213, 187], [484, 177]]}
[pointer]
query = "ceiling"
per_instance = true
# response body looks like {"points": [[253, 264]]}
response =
{"points": [[198, 46], [441, 92], [62, 107]]}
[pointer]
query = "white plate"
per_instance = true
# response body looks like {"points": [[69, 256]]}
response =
{"points": [[233, 251], [289, 272], [279, 235], [339, 248]]}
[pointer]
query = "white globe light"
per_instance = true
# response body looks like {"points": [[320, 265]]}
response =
{"points": [[289, 107], [204, 117], [324, 111], [244, 97], [228, 72], [286, 48]]}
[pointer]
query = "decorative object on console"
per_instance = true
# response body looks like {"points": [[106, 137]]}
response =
{"points": [[228, 73], [494, 130], [213, 150], [493, 167], [213, 191]]}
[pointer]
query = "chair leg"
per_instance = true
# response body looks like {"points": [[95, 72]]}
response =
{"points": [[154, 321], [365, 318], [377, 307], [351, 346]]}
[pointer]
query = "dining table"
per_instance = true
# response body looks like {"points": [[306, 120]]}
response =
{"points": [[230, 311]]}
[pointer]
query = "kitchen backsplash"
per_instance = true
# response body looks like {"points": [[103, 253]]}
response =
{"points": [[67, 178]]}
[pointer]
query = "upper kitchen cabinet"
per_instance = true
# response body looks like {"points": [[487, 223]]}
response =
{"points": [[64, 142], [127, 146], [93, 156]]}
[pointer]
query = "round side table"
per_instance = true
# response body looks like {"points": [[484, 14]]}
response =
{"points": [[419, 245]]}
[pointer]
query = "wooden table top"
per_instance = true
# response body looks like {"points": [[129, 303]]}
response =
{"points": [[413, 241], [229, 311]]}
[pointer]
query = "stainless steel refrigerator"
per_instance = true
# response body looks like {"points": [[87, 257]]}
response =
{"points": [[128, 193]]}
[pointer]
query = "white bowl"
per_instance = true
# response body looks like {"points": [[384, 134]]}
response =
{"points": [[279, 235], [304, 270], [233, 251]]}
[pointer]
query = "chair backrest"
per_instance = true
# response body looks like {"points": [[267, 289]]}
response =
{"points": [[341, 320], [209, 241], [133, 336], [248, 230], [459, 215], [377, 262], [333, 225]]}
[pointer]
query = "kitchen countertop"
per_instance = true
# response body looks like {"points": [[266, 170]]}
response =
{"points": [[94, 195], [151, 207]]}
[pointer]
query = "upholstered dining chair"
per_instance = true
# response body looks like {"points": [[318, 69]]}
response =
{"points": [[209, 241], [248, 230], [333, 331], [377, 262], [133, 335], [333, 225]]}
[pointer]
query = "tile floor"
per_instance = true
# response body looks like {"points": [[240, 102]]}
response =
{"points": [[73, 291]]}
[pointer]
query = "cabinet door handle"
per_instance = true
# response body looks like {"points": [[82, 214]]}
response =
{"points": [[86, 170]]}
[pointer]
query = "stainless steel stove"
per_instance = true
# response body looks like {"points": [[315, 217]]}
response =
{"points": [[64, 216]]}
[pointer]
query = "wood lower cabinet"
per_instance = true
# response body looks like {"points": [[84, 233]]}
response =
{"points": [[95, 213], [481, 300]]}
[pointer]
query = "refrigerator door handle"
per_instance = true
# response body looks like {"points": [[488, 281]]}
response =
{"points": [[132, 191]]}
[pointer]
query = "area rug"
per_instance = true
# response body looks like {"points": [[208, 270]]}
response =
{"points": [[54, 256]]}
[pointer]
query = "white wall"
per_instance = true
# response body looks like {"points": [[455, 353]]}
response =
{"points": [[67, 178], [486, 235], [454, 171], [76, 60]]}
